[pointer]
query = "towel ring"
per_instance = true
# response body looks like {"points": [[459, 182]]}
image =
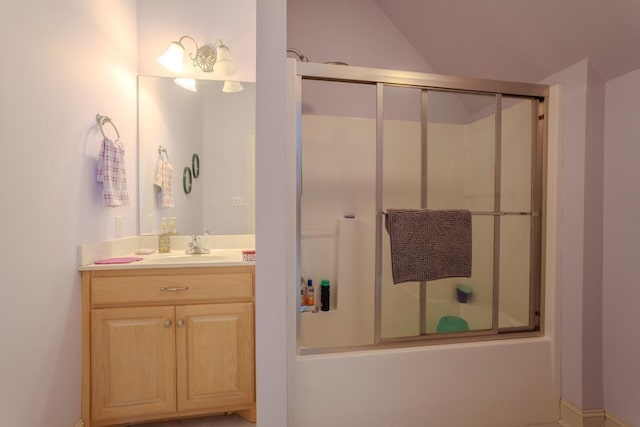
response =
{"points": [[162, 150], [102, 119]]}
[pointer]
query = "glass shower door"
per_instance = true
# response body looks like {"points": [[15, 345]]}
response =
{"points": [[401, 189], [439, 153], [382, 141], [518, 237], [461, 171]]}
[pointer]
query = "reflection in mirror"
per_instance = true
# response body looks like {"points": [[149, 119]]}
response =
{"points": [[216, 126]]}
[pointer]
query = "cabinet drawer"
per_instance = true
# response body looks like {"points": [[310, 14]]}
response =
{"points": [[164, 287]]}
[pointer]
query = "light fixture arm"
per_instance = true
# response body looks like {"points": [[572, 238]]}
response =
{"points": [[194, 42], [205, 56]]}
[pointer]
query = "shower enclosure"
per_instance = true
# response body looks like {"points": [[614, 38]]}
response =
{"points": [[371, 140]]}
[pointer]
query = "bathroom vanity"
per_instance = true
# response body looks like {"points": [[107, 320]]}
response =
{"points": [[164, 341]]}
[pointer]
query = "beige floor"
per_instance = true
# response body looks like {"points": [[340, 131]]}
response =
{"points": [[233, 421], [217, 421]]}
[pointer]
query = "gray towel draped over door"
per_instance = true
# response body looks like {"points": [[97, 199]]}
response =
{"points": [[429, 244]]}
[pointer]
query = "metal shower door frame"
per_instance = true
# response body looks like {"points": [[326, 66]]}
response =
{"points": [[381, 78]]}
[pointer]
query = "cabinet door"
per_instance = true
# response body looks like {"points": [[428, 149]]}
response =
{"points": [[132, 362], [215, 356]]}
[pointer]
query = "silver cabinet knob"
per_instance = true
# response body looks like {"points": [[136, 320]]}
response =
{"points": [[180, 323], [175, 289], [167, 323]]}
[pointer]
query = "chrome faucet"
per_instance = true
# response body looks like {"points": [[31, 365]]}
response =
{"points": [[195, 247]]}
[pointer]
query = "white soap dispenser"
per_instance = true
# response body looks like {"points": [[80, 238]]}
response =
{"points": [[164, 239], [172, 226]]}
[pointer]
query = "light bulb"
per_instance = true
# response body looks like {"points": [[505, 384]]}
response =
{"points": [[172, 58], [186, 83], [224, 63], [232, 86]]}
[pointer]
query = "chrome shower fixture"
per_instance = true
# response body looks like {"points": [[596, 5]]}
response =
{"points": [[302, 57], [299, 54]]}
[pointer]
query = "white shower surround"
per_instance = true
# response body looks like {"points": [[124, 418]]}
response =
{"points": [[492, 384], [338, 162]]}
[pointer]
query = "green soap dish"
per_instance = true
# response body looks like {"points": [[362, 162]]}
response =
{"points": [[448, 324]]}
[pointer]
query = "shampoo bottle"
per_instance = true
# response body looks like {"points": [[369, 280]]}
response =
{"points": [[310, 294], [325, 296], [303, 293]]}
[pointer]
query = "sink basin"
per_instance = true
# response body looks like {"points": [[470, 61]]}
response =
{"points": [[186, 258]]}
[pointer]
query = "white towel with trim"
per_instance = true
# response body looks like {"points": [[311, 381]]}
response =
{"points": [[164, 180], [111, 173]]}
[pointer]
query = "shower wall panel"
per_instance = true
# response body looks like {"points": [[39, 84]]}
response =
{"points": [[338, 157], [338, 179]]}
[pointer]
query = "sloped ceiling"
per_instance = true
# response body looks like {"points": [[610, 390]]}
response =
{"points": [[520, 40]]}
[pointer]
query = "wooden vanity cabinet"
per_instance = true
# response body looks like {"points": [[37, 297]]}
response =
{"points": [[167, 343]]}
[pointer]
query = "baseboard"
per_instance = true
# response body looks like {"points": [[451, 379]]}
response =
{"points": [[573, 416], [612, 421], [80, 423]]}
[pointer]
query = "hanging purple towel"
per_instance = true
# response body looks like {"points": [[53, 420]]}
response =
{"points": [[448, 244], [429, 244], [408, 238]]}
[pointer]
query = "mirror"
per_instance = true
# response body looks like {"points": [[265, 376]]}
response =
{"points": [[218, 129]]}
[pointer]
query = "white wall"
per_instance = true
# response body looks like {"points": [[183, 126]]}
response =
{"points": [[581, 235], [68, 61], [273, 262], [621, 294]]}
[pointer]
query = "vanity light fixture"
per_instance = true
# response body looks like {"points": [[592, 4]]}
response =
{"points": [[231, 86], [206, 57]]}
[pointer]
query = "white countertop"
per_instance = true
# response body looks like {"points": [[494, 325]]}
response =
{"points": [[174, 259], [228, 255]]}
